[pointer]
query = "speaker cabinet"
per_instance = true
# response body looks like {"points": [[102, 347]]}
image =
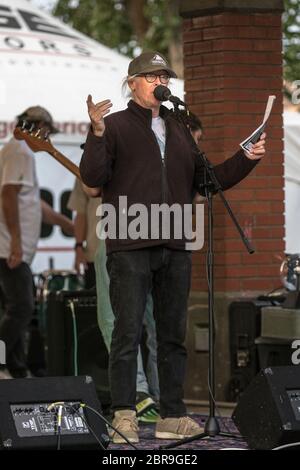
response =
{"points": [[74, 342], [29, 418], [268, 412], [244, 328]]}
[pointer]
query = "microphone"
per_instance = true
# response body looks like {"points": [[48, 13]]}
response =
{"points": [[162, 93]]}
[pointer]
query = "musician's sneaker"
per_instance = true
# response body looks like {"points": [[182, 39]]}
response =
{"points": [[5, 374], [177, 428], [125, 422], [147, 409]]}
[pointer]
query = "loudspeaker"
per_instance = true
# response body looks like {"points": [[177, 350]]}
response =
{"points": [[268, 412], [244, 328], [27, 422], [74, 342], [273, 352]]}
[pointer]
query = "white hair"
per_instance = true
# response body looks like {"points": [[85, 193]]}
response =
{"points": [[126, 91]]}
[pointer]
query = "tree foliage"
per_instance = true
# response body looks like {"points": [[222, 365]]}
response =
{"points": [[131, 25], [128, 25], [291, 40]]}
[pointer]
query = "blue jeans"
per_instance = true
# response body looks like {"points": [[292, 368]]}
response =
{"points": [[133, 274], [106, 324]]}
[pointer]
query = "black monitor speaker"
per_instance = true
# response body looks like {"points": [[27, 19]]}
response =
{"points": [[268, 412], [29, 420]]}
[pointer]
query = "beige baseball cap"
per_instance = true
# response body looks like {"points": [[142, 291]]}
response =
{"points": [[38, 113], [149, 62]]}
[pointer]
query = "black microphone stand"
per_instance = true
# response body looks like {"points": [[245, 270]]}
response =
{"points": [[210, 186]]}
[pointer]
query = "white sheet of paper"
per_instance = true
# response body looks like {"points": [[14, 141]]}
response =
{"points": [[254, 137]]}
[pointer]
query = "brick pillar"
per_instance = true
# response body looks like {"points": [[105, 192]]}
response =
{"points": [[232, 62]]}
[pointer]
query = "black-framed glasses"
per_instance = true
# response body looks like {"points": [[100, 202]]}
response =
{"points": [[151, 77]]}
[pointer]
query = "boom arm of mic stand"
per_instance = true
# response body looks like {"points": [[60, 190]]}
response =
{"points": [[217, 188]]}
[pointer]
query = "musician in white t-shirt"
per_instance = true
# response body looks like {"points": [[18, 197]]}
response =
{"points": [[21, 214]]}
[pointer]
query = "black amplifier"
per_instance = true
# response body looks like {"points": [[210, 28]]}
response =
{"points": [[244, 328], [74, 341]]}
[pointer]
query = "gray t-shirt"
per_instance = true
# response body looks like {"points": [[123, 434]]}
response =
{"points": [[17, 166]]}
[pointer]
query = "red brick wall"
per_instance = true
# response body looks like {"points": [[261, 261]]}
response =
{"points": [[232, 63]]}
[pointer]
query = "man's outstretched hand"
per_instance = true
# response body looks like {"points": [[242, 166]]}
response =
{"points": [[97, 112]]}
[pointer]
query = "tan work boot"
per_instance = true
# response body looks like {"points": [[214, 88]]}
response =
{"points": [[177, 428], [125, 421]]}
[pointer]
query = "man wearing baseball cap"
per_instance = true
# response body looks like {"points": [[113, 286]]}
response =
{"points": [[21, 213], [145, 154]]}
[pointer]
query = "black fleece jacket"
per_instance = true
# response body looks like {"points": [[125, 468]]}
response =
{"points": [[126, 161]]}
